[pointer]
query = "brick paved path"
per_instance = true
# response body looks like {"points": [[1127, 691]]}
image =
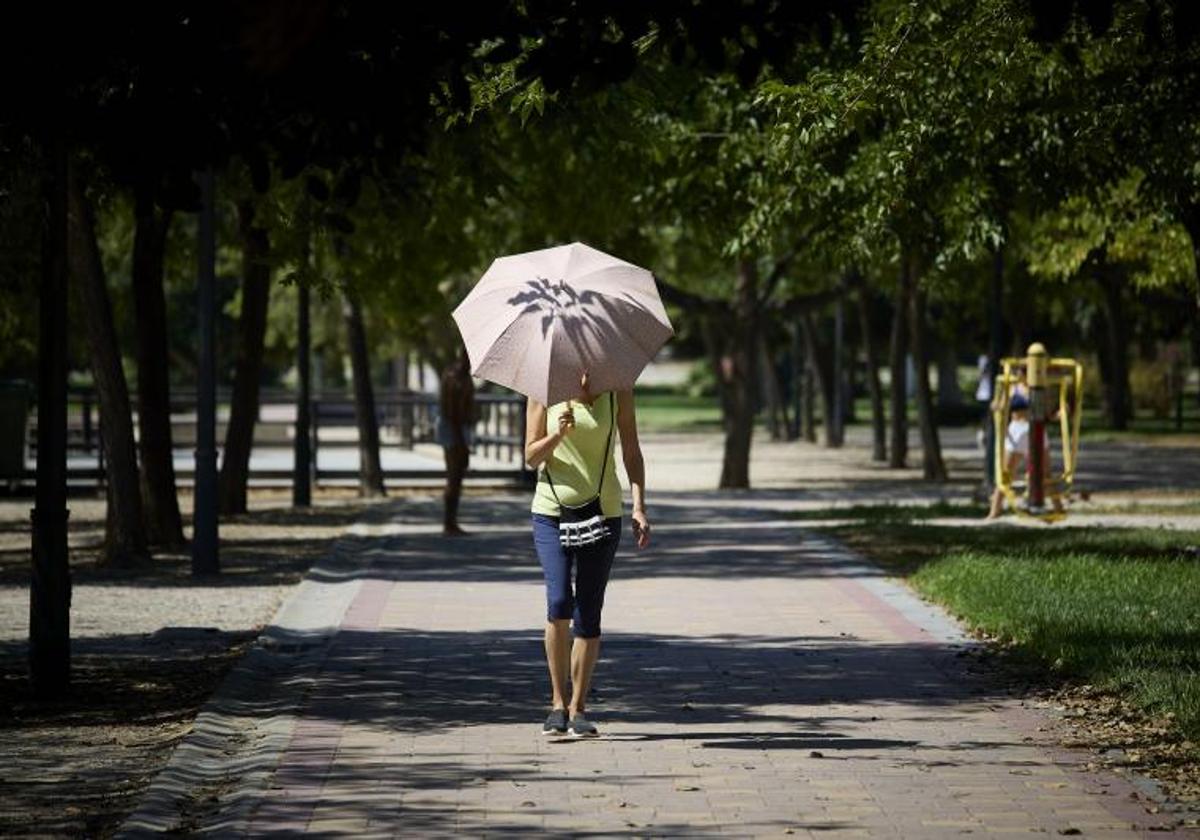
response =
{"points": [[754, 680]]}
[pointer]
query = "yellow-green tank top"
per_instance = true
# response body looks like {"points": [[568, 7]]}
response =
{"points": [[575, 462]]}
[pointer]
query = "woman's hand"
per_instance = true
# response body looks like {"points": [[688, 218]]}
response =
{"points": [[566, 422], [641, 528]]}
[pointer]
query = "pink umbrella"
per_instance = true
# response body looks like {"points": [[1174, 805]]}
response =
{"points": [[535, 321]]}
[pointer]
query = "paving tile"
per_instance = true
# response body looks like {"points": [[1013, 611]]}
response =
{"points": [[754, 679]]}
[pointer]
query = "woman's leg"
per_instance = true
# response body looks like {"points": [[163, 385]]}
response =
{"points": [[584, 653], [558, 659], [556, 568], [593, 566], [997, 504], [997, 507], [456, 467]]}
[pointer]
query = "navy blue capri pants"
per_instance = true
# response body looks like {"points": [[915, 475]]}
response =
{"points": [[592, 564]]}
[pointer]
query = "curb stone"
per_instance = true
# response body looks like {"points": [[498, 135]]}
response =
{"points": [[218, 772]]}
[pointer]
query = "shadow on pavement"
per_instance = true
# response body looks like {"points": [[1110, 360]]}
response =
{"points": [[1130, 466], [730, 699], [720, 694], [414, 680], [691, 538]]}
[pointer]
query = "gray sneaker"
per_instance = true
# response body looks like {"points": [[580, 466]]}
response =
{"points": [[581, 727], [556, 723]]}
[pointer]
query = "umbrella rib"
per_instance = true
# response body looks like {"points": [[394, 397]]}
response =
{"points": [[491, 355], [507, 290], [549, 368], [622, 325]]}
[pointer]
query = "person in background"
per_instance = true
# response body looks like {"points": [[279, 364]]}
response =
{"points": [[985, 436], [1016, 447], [455, 430]]}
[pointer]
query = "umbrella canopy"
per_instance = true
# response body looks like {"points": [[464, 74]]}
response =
{"points": [[535, 321]]}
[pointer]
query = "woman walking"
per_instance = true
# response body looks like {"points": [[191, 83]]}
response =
{"points": [[578, 465], [455, 428]]}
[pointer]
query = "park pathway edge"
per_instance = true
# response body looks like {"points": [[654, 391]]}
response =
{"points": [[916, 620], [216, 765]]}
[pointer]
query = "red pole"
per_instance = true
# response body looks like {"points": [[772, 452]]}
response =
{"points": [[1037, 462], [1036, 373]]}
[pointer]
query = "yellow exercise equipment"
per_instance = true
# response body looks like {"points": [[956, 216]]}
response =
{"points": [[1040, 376]]}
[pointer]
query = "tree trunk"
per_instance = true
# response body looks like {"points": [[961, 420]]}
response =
{"points": [[776, 409], [1118, 399], [206, 538], [805, 416], [949, 393], [740, 377], [404, 390], [875, 389], [995, 354], [50, 571], [996, 314], [1099, 337], [715, 352], [899, 372], [1190, 214], [781, 401], [247, 374], [1195, 359], [836, 429], [933, 467], [302, 454], [849, 384], [164, 525], [125, 534], [808, 420], [821, 366], [370, 481], [795, 384]]}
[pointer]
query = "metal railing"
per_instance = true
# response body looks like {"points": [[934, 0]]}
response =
{"points": [[405, 419]]}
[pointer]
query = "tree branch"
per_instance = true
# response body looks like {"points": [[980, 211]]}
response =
{"points": [[806, 303], [781, 265], [689, 300]]}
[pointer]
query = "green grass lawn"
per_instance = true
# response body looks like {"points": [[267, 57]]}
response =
{"points": [[664, 410], [672, 409], [1187, 507], [1142, 428], [889, 513], [1118, 608]]}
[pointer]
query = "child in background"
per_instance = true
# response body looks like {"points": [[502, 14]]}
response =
{"points": [[1016, 446]]}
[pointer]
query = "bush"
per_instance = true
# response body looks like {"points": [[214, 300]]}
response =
{"points": [[701, 382], [1150, 384], [1093, 381]]}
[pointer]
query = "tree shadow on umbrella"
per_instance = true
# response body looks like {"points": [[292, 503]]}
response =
{"points": [[543, 295], [576, 311]]}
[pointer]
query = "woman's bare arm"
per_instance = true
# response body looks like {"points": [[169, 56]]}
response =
{"points": [[635, 465], [539, 445]]}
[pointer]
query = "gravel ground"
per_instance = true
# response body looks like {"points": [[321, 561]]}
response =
{"points": [[148, 648]]}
